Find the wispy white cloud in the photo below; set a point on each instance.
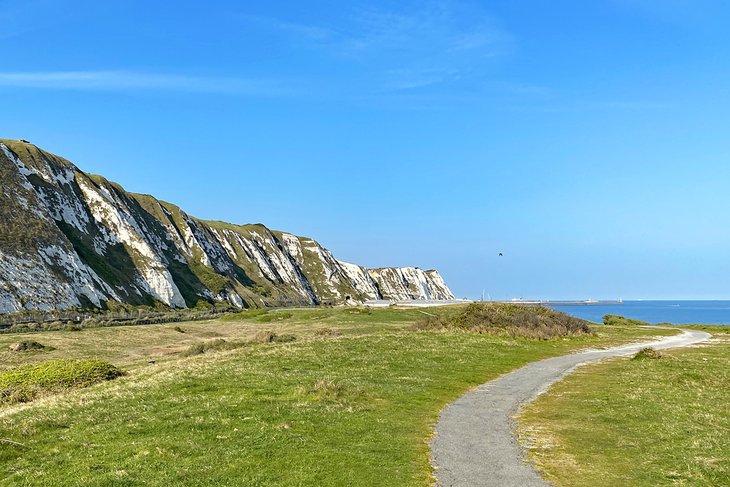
(131, 80)
(438, 27)
(418, 45)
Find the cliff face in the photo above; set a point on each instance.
(404, 283)
(70, 239)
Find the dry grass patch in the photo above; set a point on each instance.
(216, 345)
(324, 389)
(327, 333)
(130, 346)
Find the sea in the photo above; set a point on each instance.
(679, 312)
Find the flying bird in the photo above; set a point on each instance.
(501, 255)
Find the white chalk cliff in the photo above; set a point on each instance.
(73, 240)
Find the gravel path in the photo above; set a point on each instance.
(474, 443)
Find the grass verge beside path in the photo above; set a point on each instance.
(648, 422)
(352, 410)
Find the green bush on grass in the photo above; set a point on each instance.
(25, 383)
(648, 353)
(616, 320)
(514, 320)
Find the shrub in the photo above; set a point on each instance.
(268, 336)
(216, 345)
(195, 349)
(284, 338)
(24, 327)
(264, 336)
(616, 320)
(648, 353)
(514, 320)
(25, 383)
(26, 346)
(142, 315)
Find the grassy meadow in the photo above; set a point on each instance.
(652, 420)
(351, 401)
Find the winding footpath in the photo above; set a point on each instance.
(474, 443)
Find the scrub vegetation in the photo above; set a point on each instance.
(509, 319)
(616, 320)
(26, 383)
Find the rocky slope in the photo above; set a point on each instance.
(70, 239)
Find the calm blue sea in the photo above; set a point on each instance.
(681, 312)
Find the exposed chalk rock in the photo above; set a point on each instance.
(69, 239)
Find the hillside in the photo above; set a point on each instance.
(70, 239)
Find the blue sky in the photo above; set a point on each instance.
(587, 141)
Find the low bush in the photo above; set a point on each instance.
(25, 383)
(616, 320)
(284, 338)
(264, 336)
(115, 316)
(268, 336)
(648, 353)
(514, 320)
(216, 345)
(27, 346)
(219, 344)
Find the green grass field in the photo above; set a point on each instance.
(648, 422)
(353, 409)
